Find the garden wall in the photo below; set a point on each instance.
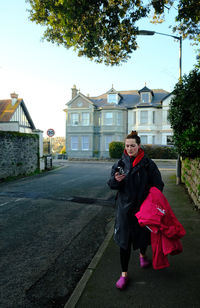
(190, 176)
(19, 154)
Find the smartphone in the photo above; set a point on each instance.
(120, 170)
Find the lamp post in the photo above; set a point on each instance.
(148, 32)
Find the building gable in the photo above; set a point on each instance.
(79, 102)
(166, 100)
(14, 110)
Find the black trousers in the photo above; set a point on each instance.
(125, 256)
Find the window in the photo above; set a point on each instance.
(108, 118)
(99, 119)
(169, 140)
(168, 122)
(143, 117)
(112, 98)
(108, 140)
(145, 97)
(74, 118)
(74, 143)
(153, 139)
(85, 118)
(154, 117)
(143, 139)
(134, 117)
(85, 143)
(119, 118)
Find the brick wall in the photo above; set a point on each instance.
(190, 176)
(19, 154)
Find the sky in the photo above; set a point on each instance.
(42, 73)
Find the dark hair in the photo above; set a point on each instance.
(134, 135)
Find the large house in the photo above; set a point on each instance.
(14, 116)
(93, 122)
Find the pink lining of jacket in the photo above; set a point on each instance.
(156, 213)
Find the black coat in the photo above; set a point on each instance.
(132, 191)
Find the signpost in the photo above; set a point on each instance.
(50, 133)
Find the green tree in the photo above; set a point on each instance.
(184, 115)
(105, 30)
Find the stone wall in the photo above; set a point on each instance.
(190, 176)
(19, 154)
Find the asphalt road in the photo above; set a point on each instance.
(51, 226)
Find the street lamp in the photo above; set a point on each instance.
(148, 32)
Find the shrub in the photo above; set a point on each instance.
(184, 115)
(116, 149)
(188, 143)
(160, 151)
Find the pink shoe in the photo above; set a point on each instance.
(144, 262)
(122, 282)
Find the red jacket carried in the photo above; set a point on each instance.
(156, 214)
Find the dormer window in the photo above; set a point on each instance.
(113, 98)
(145, 97)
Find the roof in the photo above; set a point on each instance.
(7, 110)
(131, 99)
(145, 89)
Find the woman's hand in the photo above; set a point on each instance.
(119, 177)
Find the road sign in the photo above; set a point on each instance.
(50, 132)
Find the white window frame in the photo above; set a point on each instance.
(145, 97)
(108, 120)
(108, 140)
(153, 117)
(168, 122)
(119, 118)
(74, 119)
(134, 117)
(74, 144)
(112, 98)
(100, 119)
(85, 118)
(85, 143)
(144, 119)
(142, 137)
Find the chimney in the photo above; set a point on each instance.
(74, 91)
(14, 98)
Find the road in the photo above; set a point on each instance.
(51, 225)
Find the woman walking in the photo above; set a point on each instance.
(132, 176)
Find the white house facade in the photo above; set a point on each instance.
(93, 122)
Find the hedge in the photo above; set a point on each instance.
(116, 149)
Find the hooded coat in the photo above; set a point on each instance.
(131, 192)
(156, 213)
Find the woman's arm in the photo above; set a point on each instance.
(155, 176)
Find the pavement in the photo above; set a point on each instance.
(175, 286)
